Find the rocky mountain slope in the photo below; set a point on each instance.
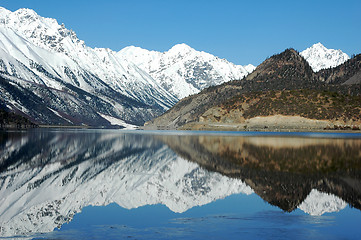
(285, 71)
(268, 107)
(184, 71)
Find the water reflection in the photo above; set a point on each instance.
(283, 171)
(46, 177)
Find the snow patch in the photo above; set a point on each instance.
(57, 114)
(118, 122)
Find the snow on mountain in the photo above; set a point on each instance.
(42, 52)
(319, 57)
(46, 68)
(76, 170)
(184, 71)
(318, 203)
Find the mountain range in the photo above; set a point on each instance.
(283, 92)
(184, 71)
(50, 76)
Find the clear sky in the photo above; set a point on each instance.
(241, 31)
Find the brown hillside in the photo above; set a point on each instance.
(282, 72)
(311, 104)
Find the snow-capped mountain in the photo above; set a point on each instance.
(184, 71)
(38, 53)
(319, 57)
(80, 169)
(43, 61)
(49, 75)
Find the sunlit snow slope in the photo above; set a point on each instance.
(184, 71)
(319, 57)
(74, 82)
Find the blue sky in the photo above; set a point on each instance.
(241, 31)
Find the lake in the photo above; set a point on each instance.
(113, 184)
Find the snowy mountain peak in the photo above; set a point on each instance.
(43, 32)
(132, 50)
(319, 45)
(319, 57)
(137, 55)
(4, 11)
(26, 12)
(183, 70)
(181, 48)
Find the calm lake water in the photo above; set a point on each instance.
(112, 184)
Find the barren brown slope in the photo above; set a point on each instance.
(332, 107)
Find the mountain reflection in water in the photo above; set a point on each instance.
(48, 176)
(282, 171)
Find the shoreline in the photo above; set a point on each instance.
(197, 127)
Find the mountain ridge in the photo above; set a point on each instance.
(58, 70)
(184, 71)
(49, 56)
(285, 71)
(39, 50)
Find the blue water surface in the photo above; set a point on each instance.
(56, 159)
(238, 216)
